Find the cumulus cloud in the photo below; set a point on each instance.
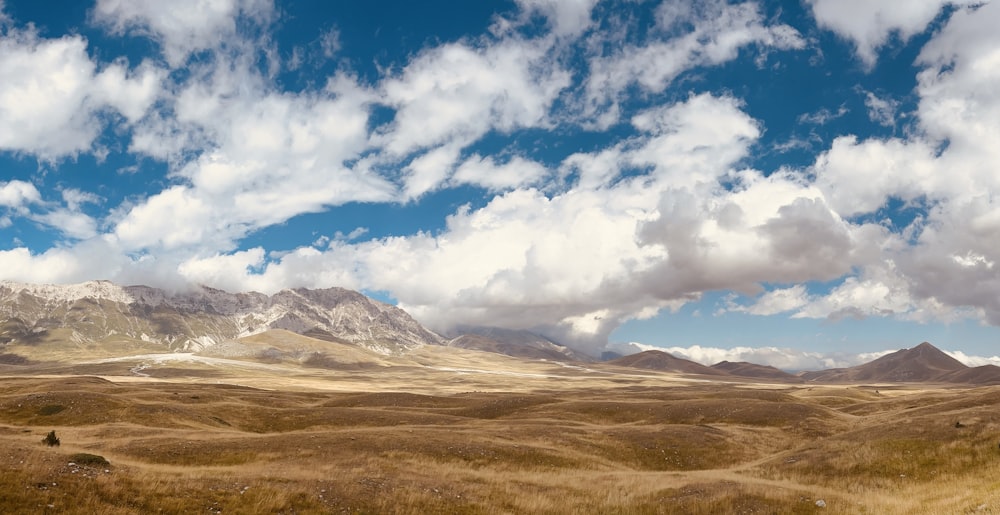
(973, 361)
(94, 258)
(869, 24)
(779, 300)
(566, 17)
(53, 96)
(942, 264)
(22, 199)
(17, 194)
(654, 240)
(15, 197)
(265, 157)
(482, 171)
(457, 92)
(569, 242)
(181, 27)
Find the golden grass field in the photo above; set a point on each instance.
(483, 434)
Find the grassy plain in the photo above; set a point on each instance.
(480, 434)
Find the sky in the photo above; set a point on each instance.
(804, 184)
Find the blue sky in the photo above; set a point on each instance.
(799, 183)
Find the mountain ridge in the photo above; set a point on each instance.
(82, 317)
(923, 363)
(201, 317)
(664, 362)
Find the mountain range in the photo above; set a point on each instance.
(102, 319)
(924, 363)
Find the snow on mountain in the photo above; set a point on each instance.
(69, 293)
(201, 318)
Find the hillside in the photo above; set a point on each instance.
(103, 317)
(98, 320)
(664, 362)
(522, 344)
(923, 363)
(744, 369)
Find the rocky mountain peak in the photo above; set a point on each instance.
(202, 317)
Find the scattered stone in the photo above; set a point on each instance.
(820, 503)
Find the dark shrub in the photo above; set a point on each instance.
(91, 460)
(51, 439)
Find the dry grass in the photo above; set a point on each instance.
(179, 447)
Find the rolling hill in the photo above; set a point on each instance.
(923, 363)
(745, 369)
(664, 362)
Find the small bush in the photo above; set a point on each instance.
(51, 439)
(86, 459)
(50, 409)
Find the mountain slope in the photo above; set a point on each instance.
(664, 362)
(99, 311)
(511, 342)
(982, 375)
(744, 369)
(923, 363)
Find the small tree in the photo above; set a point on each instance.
(51, 439)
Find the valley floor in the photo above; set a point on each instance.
(182, 434)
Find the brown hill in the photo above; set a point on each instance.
(923, 363)
(744, 369)
(664, 362)
(515, 349)
(984, 375)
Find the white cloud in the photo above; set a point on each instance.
(566, 17)
(23, 199)
(75, 198)
(329, 42)
(17, 194)
(779, 300)
(457, 93)
(870, 23)
(261, 157)
(227, 272)
(646, 222)
(881, 110)
(938, 267)
(130, 92)
(880, 294)
(823, 116)
(428, 171)
(486, 172)
(693, 34)
(181, 27)
(174, 217)
(779, 357)
(70, 223)
(651, 241)
(973, 361)
(52, 95)
(858, 177)
(92, 259)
